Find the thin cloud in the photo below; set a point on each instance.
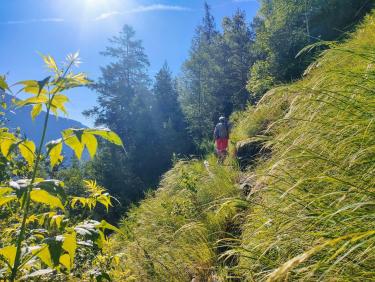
(107, 15)
(159, 7)
(30, 21)
(143, 9)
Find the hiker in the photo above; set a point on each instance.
(221, 135)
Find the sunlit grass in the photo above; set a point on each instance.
(312, 218)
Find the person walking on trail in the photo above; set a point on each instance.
(221, 135)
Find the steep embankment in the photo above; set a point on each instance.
(304, 210)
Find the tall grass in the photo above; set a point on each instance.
(312, 217)
(173, 234)
(315, 221)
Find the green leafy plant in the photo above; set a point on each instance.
(41, 238)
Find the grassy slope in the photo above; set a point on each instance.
(313, 215)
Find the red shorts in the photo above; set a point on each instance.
(221, 144)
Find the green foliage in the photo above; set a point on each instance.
(215, 74)
(151, 124)
(261, 79)
(284, 27)
(168, 118)
(40, 236)
(310, 212)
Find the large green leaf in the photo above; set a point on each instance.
(91, 143)
(106, 134)
(66, 261)
(32, 87)
(42, 99)
(105, 225)
(27, 150)
(70, 246)
(44, 255)
(78, 139)
(52, 186)
(5, 190)
(7, 139)
(55, 148)
(6, 199)
(43, 197)
(72, 141)
(8, 255)
(37, 109)
(59, 100)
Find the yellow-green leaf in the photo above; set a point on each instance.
(55, 154)
(57, 219)
(6, 141)
(3, 84)
(65, 261)
(5, 190)
(105, 225)
(43, 197)
(58, 103)
(36, 111)
(70, 245)
(8, 255)
(107, 135)
(76, 200)
(50, 63)
(6, 199)
(105, 200)
(27, 150)
(73, 142)
(44, 255)
(32, 87)
(91, 143)
(41, 99)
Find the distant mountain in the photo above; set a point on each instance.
(20, 117)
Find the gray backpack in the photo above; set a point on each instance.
(221, 130)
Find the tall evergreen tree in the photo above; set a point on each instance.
(238, 41)
(198, 83)
(170, 122)
(124, 104)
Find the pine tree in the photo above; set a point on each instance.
(170, 122)
(238, 40)
(124, 105)
(198, 83)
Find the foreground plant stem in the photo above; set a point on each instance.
(27, 197)
(17, 260)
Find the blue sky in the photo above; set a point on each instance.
(59, 27)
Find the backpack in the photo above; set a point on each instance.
(221, 130)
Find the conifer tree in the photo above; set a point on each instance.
(169, 120)
(198, 83)
(124, 103)
(237, 43)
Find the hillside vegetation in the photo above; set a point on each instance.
(304, 212)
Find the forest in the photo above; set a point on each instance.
(141, 195)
